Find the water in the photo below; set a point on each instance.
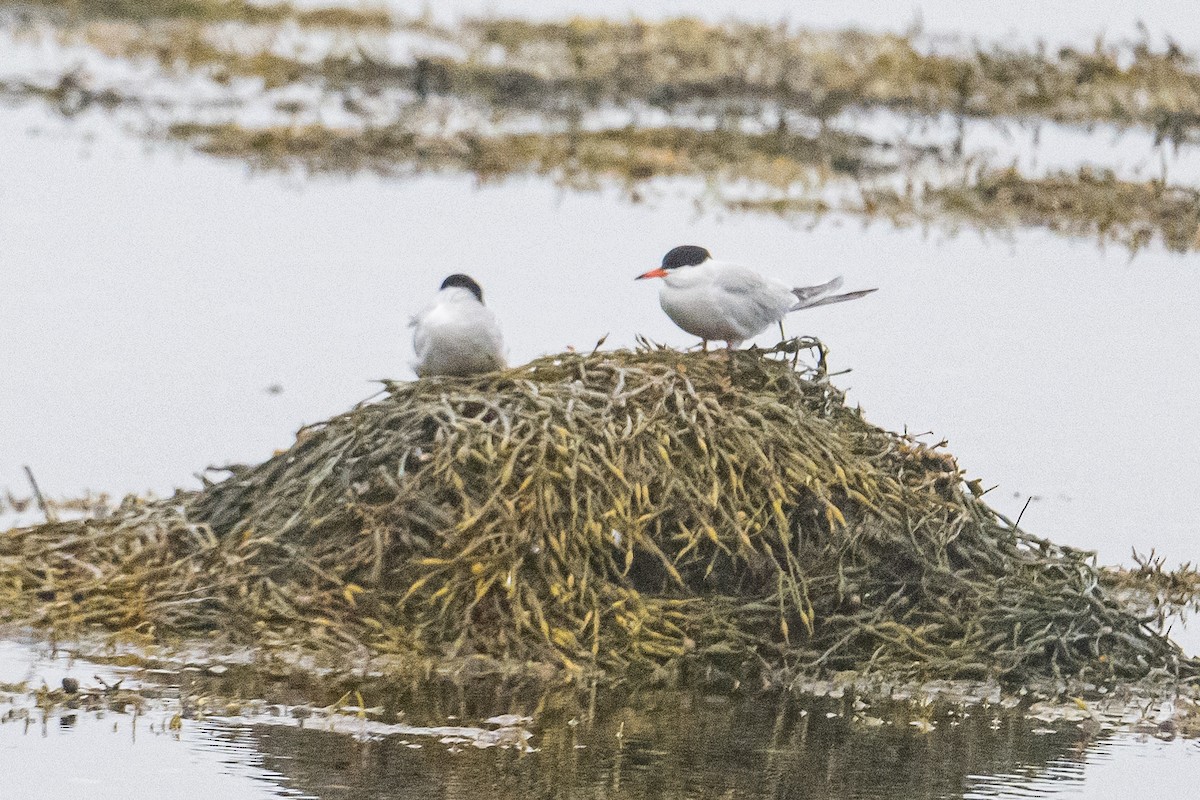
(152, 297)
(644, 745)
(161, 311)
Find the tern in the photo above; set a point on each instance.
(457, 334)
(724, 302)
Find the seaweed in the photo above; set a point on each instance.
(791, 173)
(1088, 202)
(214, 11)
(755, 111)
(578, 157)
(618, 513)
(683, 63)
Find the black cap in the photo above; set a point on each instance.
(686, 255)
(464, 282)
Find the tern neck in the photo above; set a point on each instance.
(457, 294)
(686, 276)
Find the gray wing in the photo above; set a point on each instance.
(485, 337)
(420, 332)
(497, 339)
(753, 301)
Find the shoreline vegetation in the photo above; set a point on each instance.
(648, 516)
(589, 103)
(641, 516)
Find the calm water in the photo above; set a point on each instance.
(642, 745)
(150, 297)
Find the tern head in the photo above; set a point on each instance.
(460, 281)
(686, 255)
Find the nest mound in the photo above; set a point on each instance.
(611, 510)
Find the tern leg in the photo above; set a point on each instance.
(730, 361)
(782, 335)
(704, 345)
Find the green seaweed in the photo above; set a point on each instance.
(620, 513)
(212, 11)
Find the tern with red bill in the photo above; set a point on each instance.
(719, 301)
(457, 334)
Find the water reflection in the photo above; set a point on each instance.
(116, 756)
(609, 744)
(683, 746)
(1116, 768)
(1056, 370)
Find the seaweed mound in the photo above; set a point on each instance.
(617, 510)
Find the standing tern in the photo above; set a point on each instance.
(719, 301)
(457, 334)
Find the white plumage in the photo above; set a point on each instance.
(457, 334)
(719, 301)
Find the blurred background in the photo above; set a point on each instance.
(216, 219)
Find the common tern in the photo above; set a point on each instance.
(719, 301)
(457, 334)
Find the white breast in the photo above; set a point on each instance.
(456, 335)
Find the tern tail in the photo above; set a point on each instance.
(813, 296)
(804, 294)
